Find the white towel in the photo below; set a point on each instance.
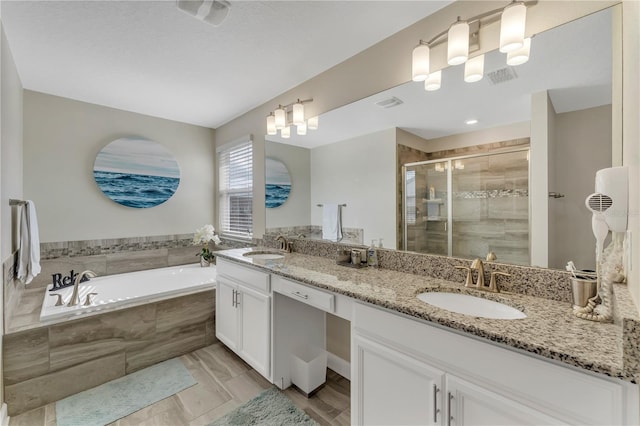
(331, 222)
(29, 252)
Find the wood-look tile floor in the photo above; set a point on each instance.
(224, 383)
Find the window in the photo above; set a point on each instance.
(235, 190)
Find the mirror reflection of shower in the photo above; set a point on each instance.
(469, 206)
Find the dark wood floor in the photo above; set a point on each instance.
(224, 383)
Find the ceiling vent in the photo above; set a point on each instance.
(502, 75)
(389, 103)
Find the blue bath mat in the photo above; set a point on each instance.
(269, 408)
(118, 398)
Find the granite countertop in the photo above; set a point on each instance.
(549, 330)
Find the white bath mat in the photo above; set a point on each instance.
(118, 398)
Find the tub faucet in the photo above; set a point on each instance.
(75, 299)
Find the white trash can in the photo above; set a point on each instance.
(308, 368)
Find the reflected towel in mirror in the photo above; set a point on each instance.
(331, 222)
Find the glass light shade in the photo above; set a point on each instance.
(285, 132)
(458, 43)
(301, 129)
(433, 81)
(312, 123)
(420, 63)
(474, 69)
(512, 24)
(280, 117)
(439, 167)
(298, 113)
(459, 165)
(520, 56)
(271, 125)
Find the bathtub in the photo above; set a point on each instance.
(129, 289)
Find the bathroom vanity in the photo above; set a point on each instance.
(413, 363)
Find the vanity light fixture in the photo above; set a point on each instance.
(271, 124)
(512, 22)
(458, 47)
(312, 123)
(420, 62)
(298, 113)
(462, 37)
(520, 56)
(459, 165)
(280, 117)
(285, 116)
(433, 81)
(474, 69)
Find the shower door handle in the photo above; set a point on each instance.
(445, 226)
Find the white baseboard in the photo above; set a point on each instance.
(4, 416)
(339, 365)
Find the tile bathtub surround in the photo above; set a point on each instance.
(114, 256)
(550, 330)
(46, 364)
(122, 245)
(539, 282)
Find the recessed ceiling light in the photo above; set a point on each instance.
(474, 121)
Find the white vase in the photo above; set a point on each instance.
(204, 263)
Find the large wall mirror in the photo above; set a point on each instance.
(360, 152)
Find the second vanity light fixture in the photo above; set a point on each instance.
(463, 33)
(289, 115)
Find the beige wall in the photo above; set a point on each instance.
(631, 131)
(11, 154)
(360, 172)
(479, 137)
(10, 162)
(582, 147)
(296, 210)
(61, 140)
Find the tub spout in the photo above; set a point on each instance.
(75, 299)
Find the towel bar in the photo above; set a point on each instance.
(320, 205)
(13, 202)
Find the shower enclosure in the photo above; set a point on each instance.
(468, 206)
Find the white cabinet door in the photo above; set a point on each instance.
(470, 404)
(392, 388)
(254, 338)
(226, 314)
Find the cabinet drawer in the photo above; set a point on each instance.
(304, 294)
(246, 276)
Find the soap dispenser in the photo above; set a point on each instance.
(372, 255)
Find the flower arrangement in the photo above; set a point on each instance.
(205, 236)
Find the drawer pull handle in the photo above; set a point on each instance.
(449, 409)
(435, 403)
(300, 295)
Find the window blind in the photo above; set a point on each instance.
(235, 165)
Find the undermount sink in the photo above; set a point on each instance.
(471, 305)
(263, 255)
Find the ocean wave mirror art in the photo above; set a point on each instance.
(278, 183)
(136, 172)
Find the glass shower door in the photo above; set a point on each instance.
(426, 212)
(490, 207)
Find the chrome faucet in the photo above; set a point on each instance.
(283, 243)
(75, 299)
